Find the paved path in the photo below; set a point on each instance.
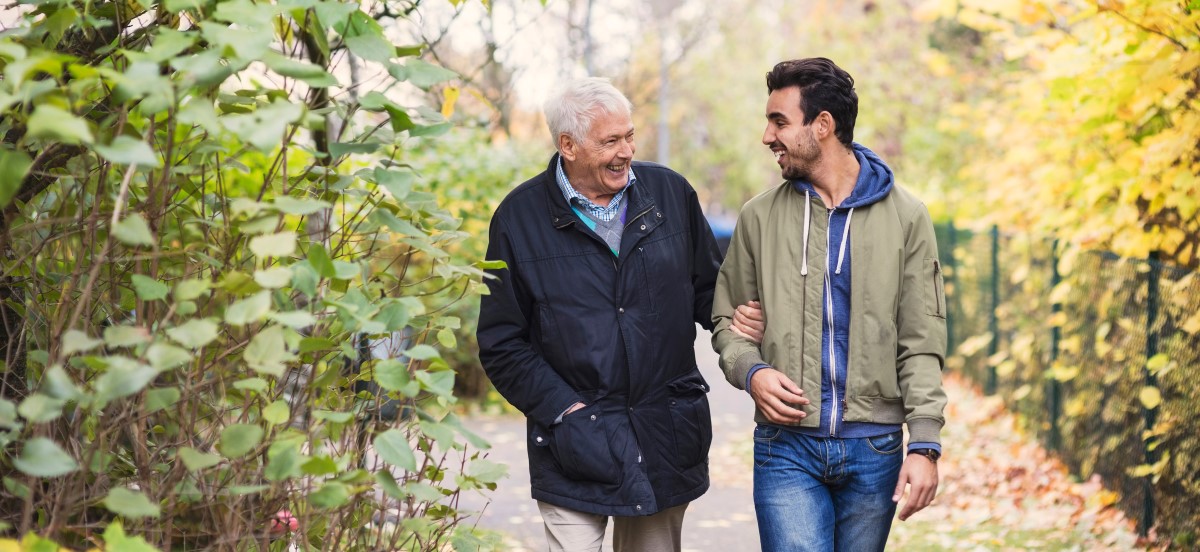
(722, 519)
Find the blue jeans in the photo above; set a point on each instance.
(815, 494)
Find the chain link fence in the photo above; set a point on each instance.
(1099, 356)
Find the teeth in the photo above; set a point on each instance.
(778, 155)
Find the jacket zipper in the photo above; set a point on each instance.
(937, 300)
(629, 408)
(833, 416)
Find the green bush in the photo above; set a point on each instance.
(202, 222)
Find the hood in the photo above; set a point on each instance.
(874, 182)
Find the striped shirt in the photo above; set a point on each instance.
(574, 198)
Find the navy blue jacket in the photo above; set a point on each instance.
(568, 322)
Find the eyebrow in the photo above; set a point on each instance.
(776, 115)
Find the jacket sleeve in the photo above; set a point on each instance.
(706, 261)
(517, 370)
(921, 332)
(737, 283)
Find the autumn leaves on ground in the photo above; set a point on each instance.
(1001, 491)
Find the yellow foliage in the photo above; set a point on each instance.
(1092, 130)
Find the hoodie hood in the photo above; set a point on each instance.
(875, 180)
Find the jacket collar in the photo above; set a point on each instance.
(642, 214)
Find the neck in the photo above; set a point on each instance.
(835, 177)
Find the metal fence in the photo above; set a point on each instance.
(1097, 354)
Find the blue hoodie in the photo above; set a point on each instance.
(874, 183)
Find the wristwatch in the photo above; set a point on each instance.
(929, 453)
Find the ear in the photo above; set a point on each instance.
(567, 147)
(824, 126)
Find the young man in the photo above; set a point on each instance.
(845, 266)
(590, 329)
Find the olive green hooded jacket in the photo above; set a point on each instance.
(897, 306)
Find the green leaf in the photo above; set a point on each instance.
(57, 383)
(330, 495)
(267, 352)
(282, 244)
(293, 319)
(422, 352)
(41, 457)
(438, 383)
(164, 356)
(392, 447)
(446, 338)
(252, 384)
(116, 541)
(486, 471)
(392, 375)
(274, 277)
(176, 6)
(8, 414)
(312, 75)
(299, 206)
(122, 379)
(125, 336)
(239, 439)
(133, 231)
(149, 289)
(265, 128)
(187, 290)
(385, 481)
(125, 150)
(194, 333)
(277, 412)
(195, 460)
(338, 149)
(371, 46)
(283, 461)
(158, 399)
(320, 465)
(422, 74)
(250, 309)
(320, 261)
(53, 123)
(75, 341)
(130, 504)
(38, 408)
(14, 165)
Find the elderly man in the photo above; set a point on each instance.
(590, 329)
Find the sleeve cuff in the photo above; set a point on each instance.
(750, 374)
(934, 446)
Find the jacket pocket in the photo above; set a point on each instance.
(935, 293)
(582, 446)
(690, 419)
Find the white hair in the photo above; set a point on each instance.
(573, 106)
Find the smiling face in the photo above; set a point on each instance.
(791, 140)
(598, 166)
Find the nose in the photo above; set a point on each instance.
(627, 149)
(768, 135)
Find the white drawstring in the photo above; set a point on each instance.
(845, 235)
(807, 225)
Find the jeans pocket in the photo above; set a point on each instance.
(886, 444)
(582, 445)
(764, 443)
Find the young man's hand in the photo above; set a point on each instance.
(920, 475)
(748, 321)
(775, 396)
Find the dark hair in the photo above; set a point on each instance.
(823, 87)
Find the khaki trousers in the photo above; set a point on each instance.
(571, 531)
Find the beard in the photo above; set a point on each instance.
(802, 158)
